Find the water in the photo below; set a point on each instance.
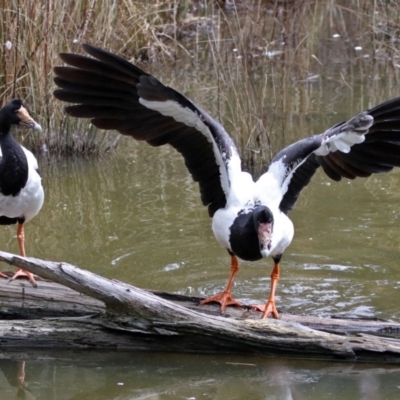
(96, 375)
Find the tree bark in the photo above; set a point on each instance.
(79, 309)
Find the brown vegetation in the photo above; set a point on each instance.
(247, 56)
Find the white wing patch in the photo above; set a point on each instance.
(190, 118)
(272, 185)
(341, 142)
(176, 111)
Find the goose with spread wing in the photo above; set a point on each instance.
(249, 218)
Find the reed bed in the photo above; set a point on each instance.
(257, 65)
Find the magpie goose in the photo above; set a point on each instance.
(21, 191)
(249, 218)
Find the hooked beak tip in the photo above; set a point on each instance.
(265, 253)
(33, 125)
(37, 127)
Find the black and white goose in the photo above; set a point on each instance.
(249, 218)
(21, 191)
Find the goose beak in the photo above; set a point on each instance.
(27, 120)
(264, 237)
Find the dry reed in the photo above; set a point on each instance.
(247, 56)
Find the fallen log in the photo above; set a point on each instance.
(79, 309)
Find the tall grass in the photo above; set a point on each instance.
(249, 55)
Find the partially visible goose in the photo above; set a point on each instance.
(21, 191)
(249, 218)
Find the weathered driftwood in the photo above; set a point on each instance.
(85, 310)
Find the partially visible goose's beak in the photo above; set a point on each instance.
(264, 237)
(27, 120)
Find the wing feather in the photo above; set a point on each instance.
(116, 94)
(367, 144)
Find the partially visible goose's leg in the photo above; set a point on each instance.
(225, 297)
(21, 242)
(269, 307)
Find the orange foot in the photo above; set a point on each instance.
(224, 298)
(266, 309)
(21, 273)
(3, 275)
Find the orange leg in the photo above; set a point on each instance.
(21, 272)
(225, 297)
(269, 307)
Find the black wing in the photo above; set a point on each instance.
(116, 94)
(368, 143)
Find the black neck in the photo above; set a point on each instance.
(244, 238)
(13, 165)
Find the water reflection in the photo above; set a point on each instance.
(94, 375)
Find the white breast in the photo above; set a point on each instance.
(30, 200)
